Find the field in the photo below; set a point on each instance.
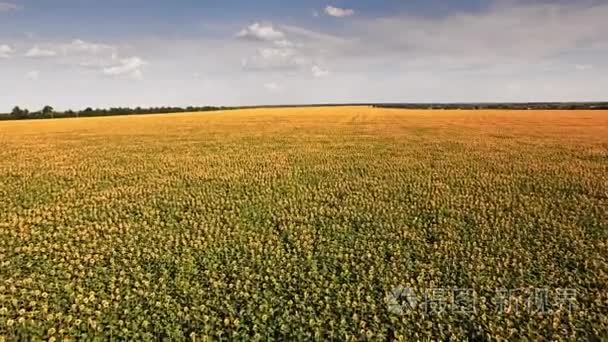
(311, 223)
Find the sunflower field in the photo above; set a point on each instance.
(341, 223)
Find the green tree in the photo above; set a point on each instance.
(19, 113)
(47, 111)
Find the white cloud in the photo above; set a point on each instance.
(6, 51)
(275, 59)
(98, 62)
(103, 58)
(499, 34)
(338, 12)
(90, 55)
(37, 52)
(319, 72)
(262, 32)
(78, 46)
(520, 43)
(272, 86)
(8, 6)
(297, 50)
(312, 36)
(271, 53)
(129, 66)
(33, 75)
(525, 51)
(583, 67)
(285, 43)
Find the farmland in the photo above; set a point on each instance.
(306, 223)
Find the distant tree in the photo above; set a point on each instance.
(20, 113)
(16, 111)
(87, 112)
(47, 111)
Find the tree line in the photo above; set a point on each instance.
(48, 112)
(504, 105)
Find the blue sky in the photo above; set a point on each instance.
(78, 53)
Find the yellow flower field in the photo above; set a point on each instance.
(340, 223)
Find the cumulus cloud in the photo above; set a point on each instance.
(319, 72)
(285, 43)
(497, 34)
(104, 58)
(312, 36)
(128, 66)
(6, 51)
(37, 52)
(498, 44)
(275, 59)
(81, 46)
(262, 32)
(33, 75)
(75, 49)
(515, 50)
(8, 6)
(96, 62)
(91, 55)
(338, 12)
(298, 50)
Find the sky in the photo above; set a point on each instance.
(72, 54)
